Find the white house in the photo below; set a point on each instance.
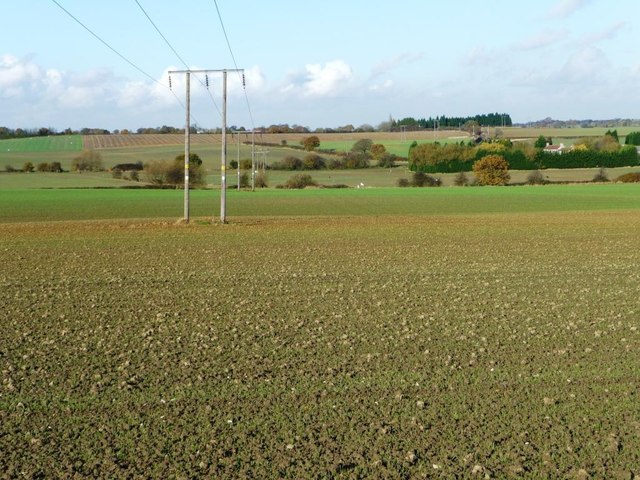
(555, 148)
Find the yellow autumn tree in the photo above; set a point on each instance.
(492, 170)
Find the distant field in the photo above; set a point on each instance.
(517, 132)
(58, 143)
(143, 148)
(371, 177)
(86, 204)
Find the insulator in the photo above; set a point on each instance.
(169, 82)
(206, 80)
(244, 82)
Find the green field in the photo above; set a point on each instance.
(88, 204)
(58, 143)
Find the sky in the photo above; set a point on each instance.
(315, 64)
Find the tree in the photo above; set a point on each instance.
(27, 167)
(377, 151)
(492, 170)
(313, 162)
(472, 127)
(363, 148)
(166, 172)
(197, 175)
(87, 161)
(608, 143)
(632, 139)
(542, 141)
(388, 160)
(310, 143)
(460, 180)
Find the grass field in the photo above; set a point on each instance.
(89, 204)
(500, 345)
(60, 143)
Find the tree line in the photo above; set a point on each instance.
(483, 120)
(604, 152)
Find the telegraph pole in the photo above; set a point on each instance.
(223, 158)
(187, 149)
(253, 161)
(238, 160)
(187, 141)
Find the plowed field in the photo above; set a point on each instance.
(501, 345)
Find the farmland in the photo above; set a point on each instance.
(325, 333)
(349, 346)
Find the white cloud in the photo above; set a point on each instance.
(320, 80)
(608, 33)
(566, 8)
(542, 39)
(16, 73)
(585, 66)
(478, 56)
(379, 87)
(389, 64)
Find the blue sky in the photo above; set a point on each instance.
(320, 64)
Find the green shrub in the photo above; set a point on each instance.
(536, 178)
(578, 158)
(43, 167)
(300, 180)
(287, 163)
(233, 164)
(313, 162)
(403, 182)
(245, 164)
(335, 164)
(461, 180)
(631, 177)
(356, 160)
(244, 180)
(601, 176)
(421, 179)
(88, 161)
(116, 173)
(632, 138)
(387, 160)
(261, 180)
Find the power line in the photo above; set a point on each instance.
(106, 44)
(160, 33)
(176, 53)
(242, 78)
(95, 35)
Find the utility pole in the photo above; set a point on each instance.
(187, 139)
(253, 161)
(187, 149)
(223, 163)
(223, 158)
(238, 159)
